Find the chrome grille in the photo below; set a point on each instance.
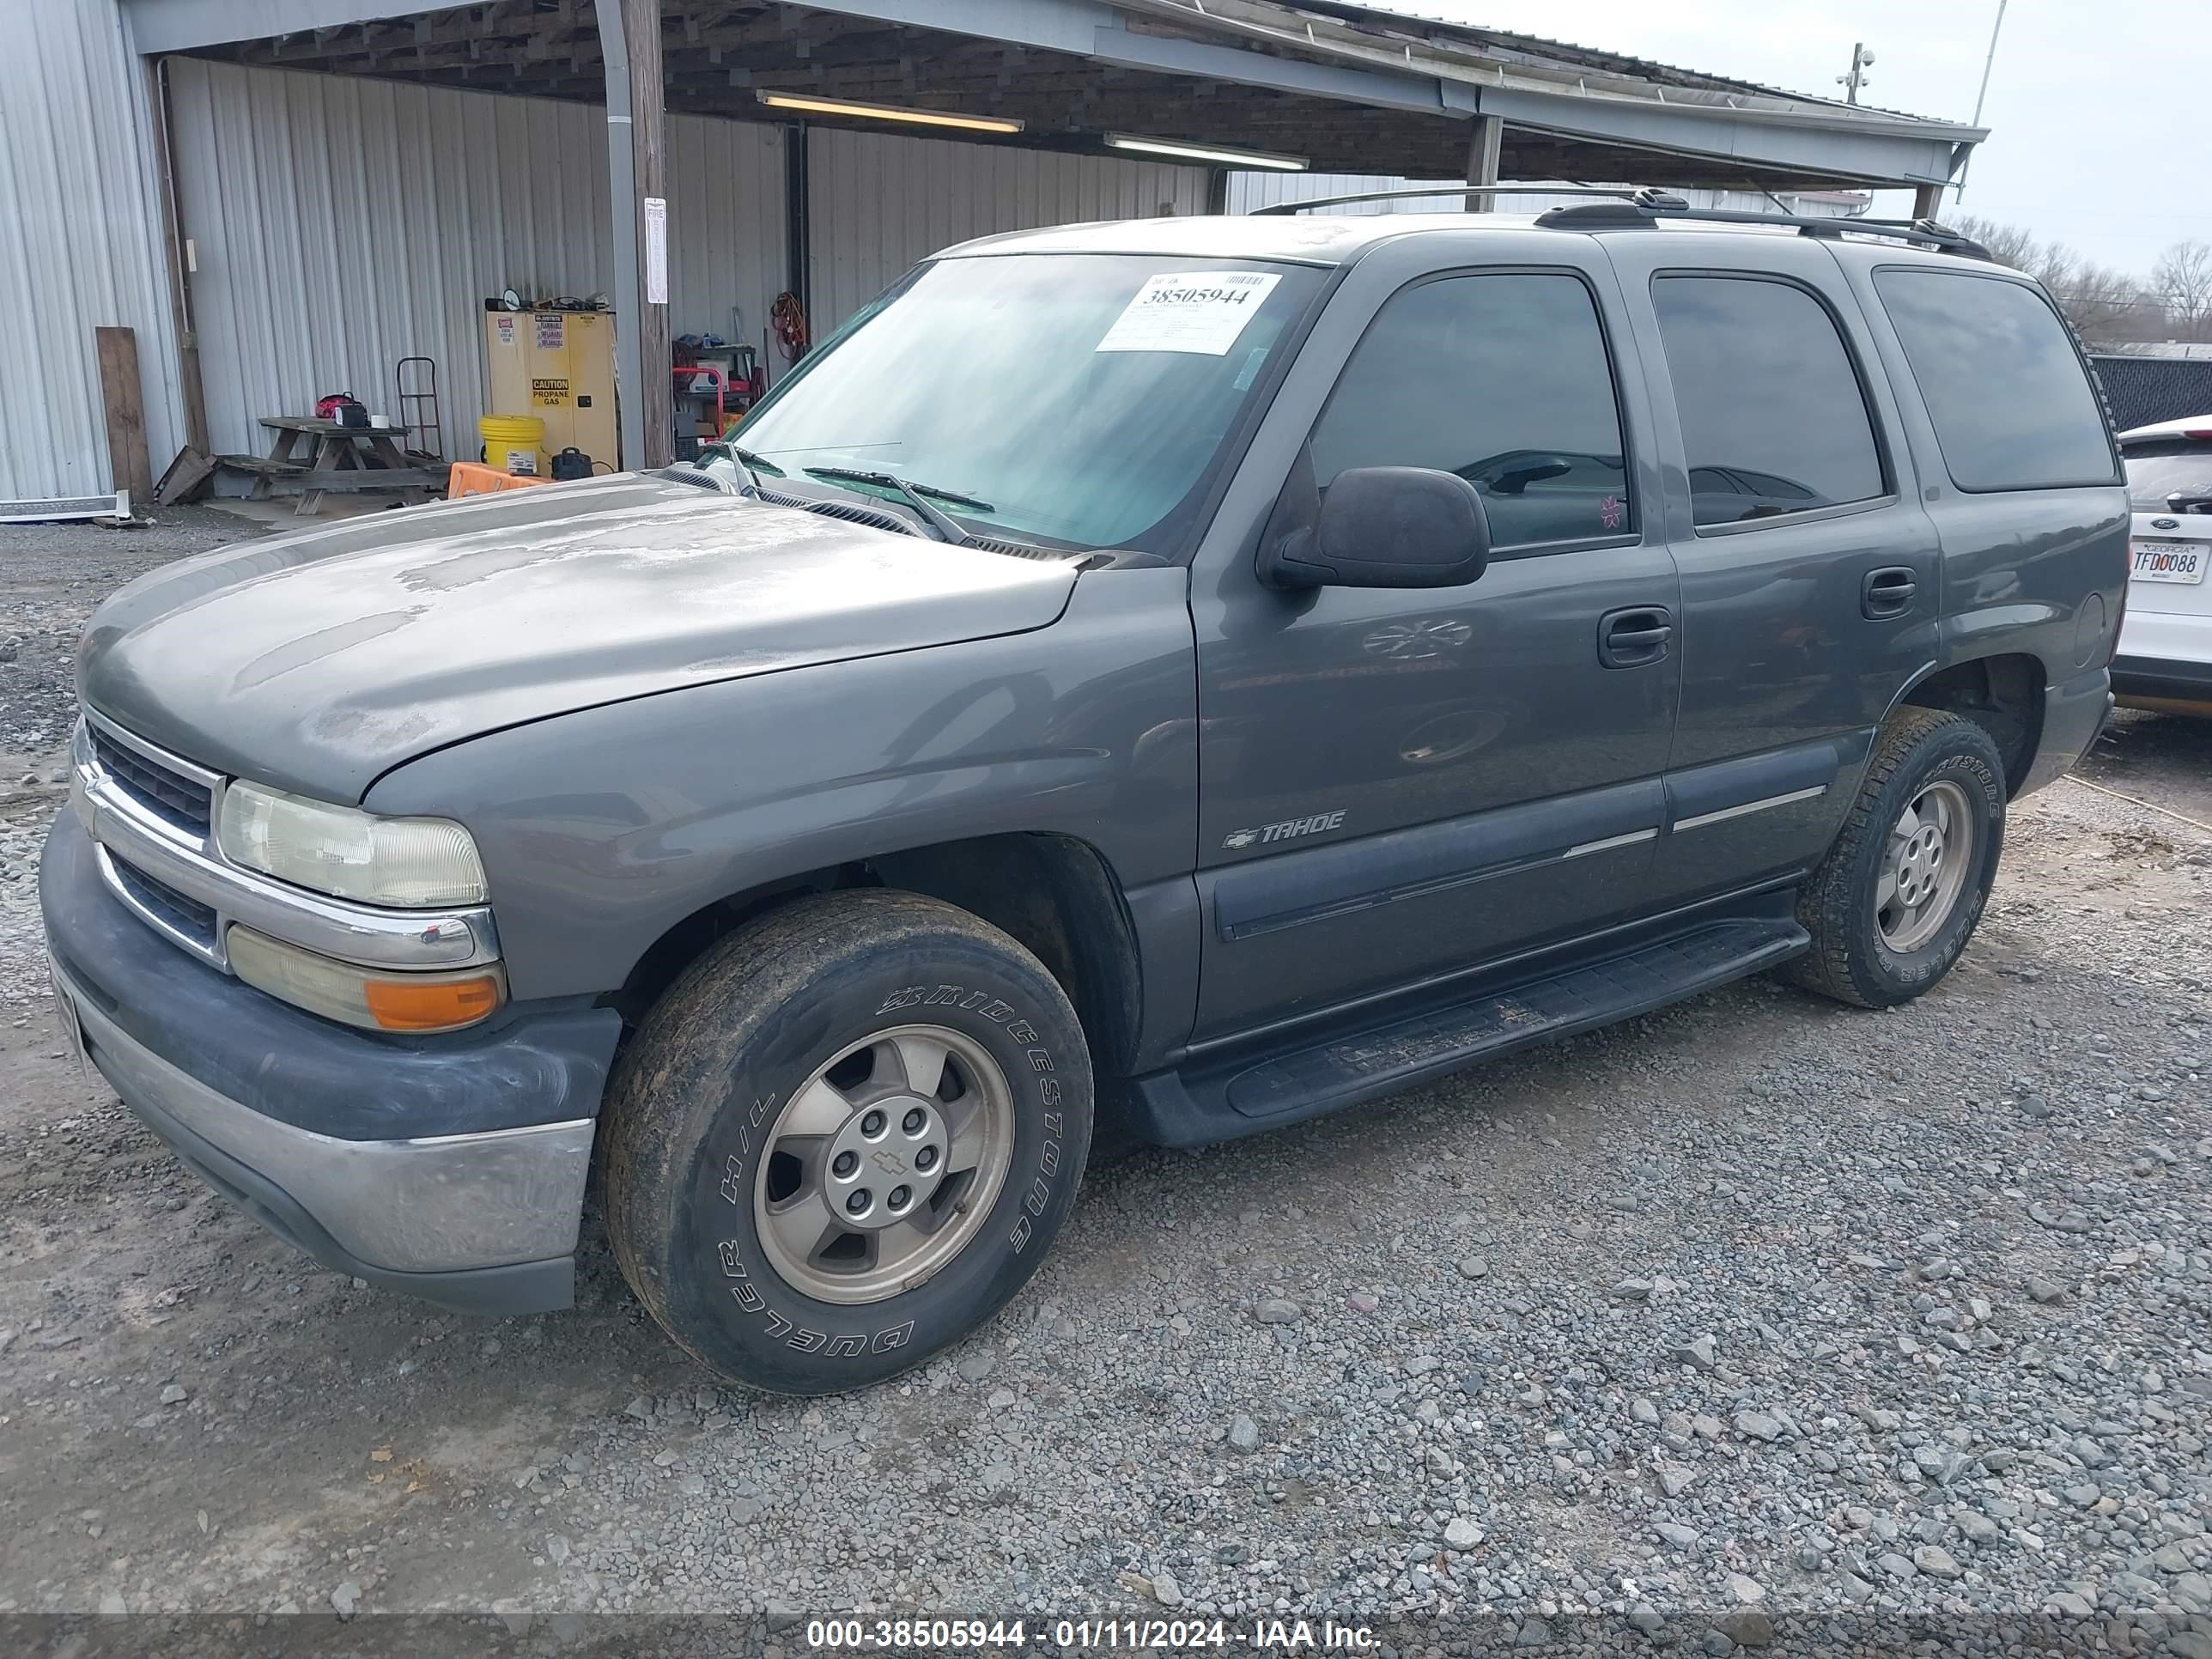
(150, 812)
(184, 915)
(171, 796)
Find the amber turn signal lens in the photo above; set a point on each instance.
(438, 1005)
(373, 999)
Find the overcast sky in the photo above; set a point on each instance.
(2096, 108)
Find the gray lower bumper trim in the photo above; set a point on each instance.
(444, 1205)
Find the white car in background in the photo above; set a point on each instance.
(2165, 659)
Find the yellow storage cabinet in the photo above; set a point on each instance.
(558, 366)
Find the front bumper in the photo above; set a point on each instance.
(452, 1169)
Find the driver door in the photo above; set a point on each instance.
(1397, 785)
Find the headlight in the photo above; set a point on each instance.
(363, 996)
(349, 853)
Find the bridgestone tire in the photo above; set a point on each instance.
(1850, 960)
(699, 1089)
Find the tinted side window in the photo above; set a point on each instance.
(2012, 405)
(1501, 379)
(1772, 416)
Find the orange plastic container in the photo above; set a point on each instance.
(469, 478)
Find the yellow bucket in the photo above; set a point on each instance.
(513, 443)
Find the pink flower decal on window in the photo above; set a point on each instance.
(1611, 511)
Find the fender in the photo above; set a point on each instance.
(602, 829)
(2005, 691)
(1921, 676)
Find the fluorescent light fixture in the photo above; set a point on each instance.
(1219, 157)
(922, 118)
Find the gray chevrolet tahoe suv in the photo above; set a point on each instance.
(1187, 676)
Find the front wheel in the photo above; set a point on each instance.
(1900, 892)
(844, 1138)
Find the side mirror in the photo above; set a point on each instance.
(1384, 526)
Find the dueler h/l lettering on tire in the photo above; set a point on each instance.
(1902, 889)
(844, 1138)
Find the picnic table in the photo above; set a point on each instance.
(314, 455)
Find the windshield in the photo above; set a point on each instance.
(2183, 468)
(1083, 399)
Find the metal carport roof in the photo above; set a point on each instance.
(1338, 86)
(1348, 88)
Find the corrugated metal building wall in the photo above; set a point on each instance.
(81, 248)
(338, 224)
(877, 203)
(1248, 191)
(341, 224)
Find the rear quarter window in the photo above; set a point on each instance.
(2008, 394)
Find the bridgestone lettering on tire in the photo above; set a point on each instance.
(1900, 893)
(844, 1138)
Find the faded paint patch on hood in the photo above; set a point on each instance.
(317, 662)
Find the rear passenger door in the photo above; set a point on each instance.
(2021, 480)
(1810, 571)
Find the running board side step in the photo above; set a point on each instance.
(1247, 1094)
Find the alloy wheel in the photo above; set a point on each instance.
(1925, 867)
(882, 1166)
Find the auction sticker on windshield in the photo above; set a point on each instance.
(1201, 312)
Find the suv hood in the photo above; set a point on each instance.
(318, 662)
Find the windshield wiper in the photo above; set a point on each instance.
(941, 525)
(866, 476)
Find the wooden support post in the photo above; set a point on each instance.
(1485, 143)
(1926, 199)
(124, 400)
(648, 134)
(190, 383)
(637, 152)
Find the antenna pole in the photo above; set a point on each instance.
(1988, 63)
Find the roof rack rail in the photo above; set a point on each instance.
(1595, 215)
(1646, 204)
(1644, 197)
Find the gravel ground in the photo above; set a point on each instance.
(1752, 1312)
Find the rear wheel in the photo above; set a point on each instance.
(1900, 892)
(844, 1138)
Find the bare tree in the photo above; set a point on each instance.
(2182, 279)
(2107, 305)
(2008, 245)
(2104, 305)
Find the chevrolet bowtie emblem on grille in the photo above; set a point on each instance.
(890, 1162)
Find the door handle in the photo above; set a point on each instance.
(1634, 637)
(1887, 592)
